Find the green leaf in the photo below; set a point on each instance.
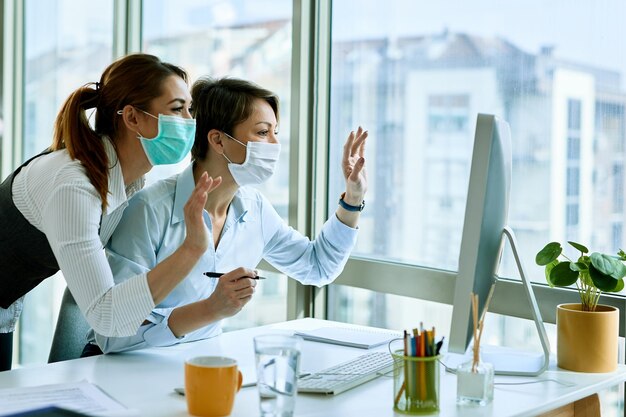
(622, 255)
(602, 281)
(578, 246)
(619, 271)
(549, 268)
(549, 253)
(619, 286)
(578, 266)
(562, 275)
(603, 263)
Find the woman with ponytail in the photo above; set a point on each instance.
(61, 207)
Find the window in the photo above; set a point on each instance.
(571, 215)
(77, 53)
(447, 114)
(618, 236)
(618, 188)
(246, 39)
(573, 115)
(573, 148)
(573, 181)
(572, 172)
(429, 77)
(610, 122)
(68, 43)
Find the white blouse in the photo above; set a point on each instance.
(55, 195)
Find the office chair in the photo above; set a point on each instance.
(70, 335)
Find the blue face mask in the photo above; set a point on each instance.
(172, 143)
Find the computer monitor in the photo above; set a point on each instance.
(485, 218)
(484, 228)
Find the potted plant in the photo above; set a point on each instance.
(587, 332)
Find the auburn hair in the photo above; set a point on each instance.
(222, 104)
(135, 79)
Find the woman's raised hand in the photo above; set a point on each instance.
(353, 166)
(197, 239)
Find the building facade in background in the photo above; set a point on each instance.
(421, 96)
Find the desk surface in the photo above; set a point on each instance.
(159, 370)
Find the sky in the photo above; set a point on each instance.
(586, 31)
(591, 32)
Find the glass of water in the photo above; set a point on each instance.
(277, 368)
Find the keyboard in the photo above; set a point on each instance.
(347, 375)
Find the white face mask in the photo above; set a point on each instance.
(259, 165)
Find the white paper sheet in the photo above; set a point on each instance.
(80, 396)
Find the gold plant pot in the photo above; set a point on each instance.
(587, 340)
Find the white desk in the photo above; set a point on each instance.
(144, 380)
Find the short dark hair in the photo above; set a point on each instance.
(222, 104)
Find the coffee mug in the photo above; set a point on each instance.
(211, 383)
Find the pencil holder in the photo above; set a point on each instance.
(415, 384)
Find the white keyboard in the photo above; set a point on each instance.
(347, 375)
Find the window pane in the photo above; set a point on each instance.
(416, 74)
(67, 43)
(573, 181)
(77, 53)
(573, 114)
(248, 39)
(618, 187)
(573, 148)
(617, 236)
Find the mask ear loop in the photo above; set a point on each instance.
(229, 161)
(139, 135)
(224, 153)
(236, 140)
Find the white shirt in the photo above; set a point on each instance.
(153, 227)
(55, 195)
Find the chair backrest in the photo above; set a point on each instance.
(70, 335)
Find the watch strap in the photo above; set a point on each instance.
(350, 207)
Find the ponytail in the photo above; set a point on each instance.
(72, 132)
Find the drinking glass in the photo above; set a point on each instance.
(277, 368)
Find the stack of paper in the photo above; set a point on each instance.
(81, 396)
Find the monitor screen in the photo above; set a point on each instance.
(485, 219)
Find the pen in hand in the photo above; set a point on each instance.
(219, 274)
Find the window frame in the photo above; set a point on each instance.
(12, 84)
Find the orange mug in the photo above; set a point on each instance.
(211, 383)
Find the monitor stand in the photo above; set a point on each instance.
(506, 360)
(541, 330)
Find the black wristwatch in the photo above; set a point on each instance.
(349, 207)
